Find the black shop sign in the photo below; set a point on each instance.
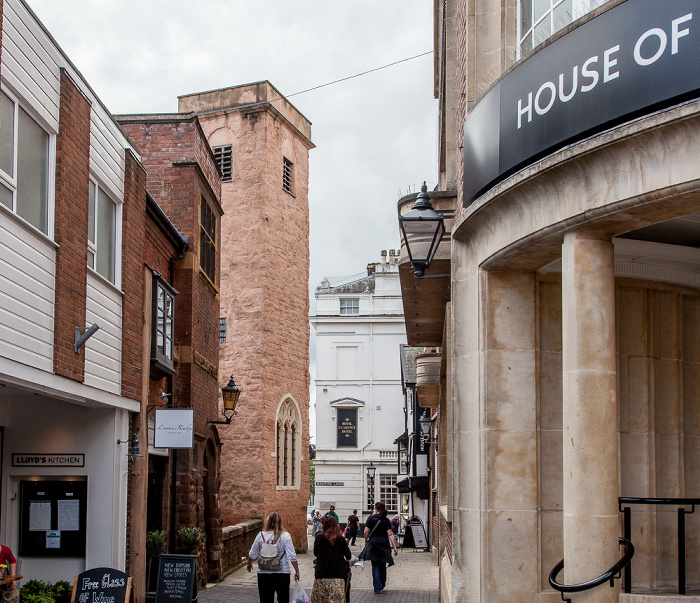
(639, 57)
(176, 579)
(102, 585)
(347, 427)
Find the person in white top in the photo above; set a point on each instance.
(274, 581)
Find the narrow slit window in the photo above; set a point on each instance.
(287, 176)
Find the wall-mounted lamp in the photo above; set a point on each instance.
(230, 394)
(134, 449)
(422, 229)
(82, 334)
(425, 425)
(160, 402)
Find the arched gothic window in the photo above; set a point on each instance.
(287, 445)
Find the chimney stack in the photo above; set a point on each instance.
(392, 257)
(383, 257)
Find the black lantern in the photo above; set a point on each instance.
(422, 229)
(371, 470)
(230, 394)
(132, 440)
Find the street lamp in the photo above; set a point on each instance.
(230, 394)
(422, 229)
(371, 470)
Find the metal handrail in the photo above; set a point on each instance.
(611, 574)
(681, 503)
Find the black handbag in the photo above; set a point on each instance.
(363, 553)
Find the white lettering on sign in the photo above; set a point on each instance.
(647, 50)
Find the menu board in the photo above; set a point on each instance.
(101, 585)
(176, 579)
(418, 531)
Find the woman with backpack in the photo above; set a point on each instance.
(274, 550)
(332, 555)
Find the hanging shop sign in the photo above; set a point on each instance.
(174, 428)
(637, 58)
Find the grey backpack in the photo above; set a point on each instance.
(269, 559)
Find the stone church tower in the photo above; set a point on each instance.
(262, 145)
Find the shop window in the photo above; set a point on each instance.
(24, 164)
(388, 492)
(224, 158)
(287, 176)
(349, 306)
(288, 445)
(207, 240)
(102, 233)
(163, 333)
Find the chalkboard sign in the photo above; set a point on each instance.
(101, 585)
(176, 579)
(418, 532)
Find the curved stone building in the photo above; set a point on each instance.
(570, 325)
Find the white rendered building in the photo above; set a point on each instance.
(359, 401)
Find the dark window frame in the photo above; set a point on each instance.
(160, 360)
(207, 240)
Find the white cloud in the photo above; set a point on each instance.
(375, 134)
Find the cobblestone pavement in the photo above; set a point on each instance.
(413, 579)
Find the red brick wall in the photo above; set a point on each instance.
(71, 227)
(133, 245)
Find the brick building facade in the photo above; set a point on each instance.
(262, 143)
(184, 181)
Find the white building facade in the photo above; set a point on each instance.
(359, 401)
(63, 411)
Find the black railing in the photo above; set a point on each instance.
(627, 514)
(611, 574)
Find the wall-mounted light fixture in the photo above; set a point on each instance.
(425, 424)
(422, 229)
(82, 334)
(134, 451)
(230, 394)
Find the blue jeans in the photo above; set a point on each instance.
(378, 576)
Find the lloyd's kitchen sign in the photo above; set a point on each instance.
(173, 428)
(632, 60)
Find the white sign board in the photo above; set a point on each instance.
(418, 531)
(174, 428)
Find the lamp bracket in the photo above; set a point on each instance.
(82, 334)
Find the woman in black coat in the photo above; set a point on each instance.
(332, 555)
(379, 540)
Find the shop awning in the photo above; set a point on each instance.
(415, 483)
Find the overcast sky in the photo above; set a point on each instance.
(375, 135)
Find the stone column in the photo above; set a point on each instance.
(590, 415)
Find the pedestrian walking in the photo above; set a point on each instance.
(318, 527)
(379, 540)
(352, 527)
(274, 550)
(332, 513)
(332, 555)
